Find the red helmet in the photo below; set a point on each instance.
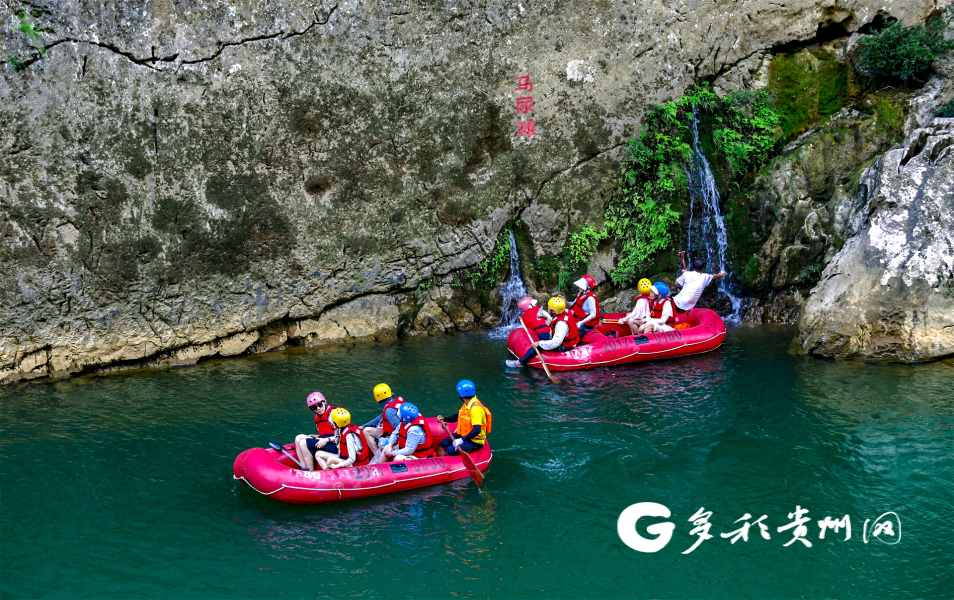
(587, 281)
(590, 281)
(526, 304)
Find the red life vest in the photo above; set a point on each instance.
(323, 422)
(364, 456)
(581, 314)
(573, 335)
(426, 448)
(656, 310)
(394, 403)
(534, 322)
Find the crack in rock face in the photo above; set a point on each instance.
(189, 181)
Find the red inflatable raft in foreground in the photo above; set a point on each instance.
(273, 474)
(706, 332)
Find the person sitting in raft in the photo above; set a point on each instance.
(307, 445)
(473, 423)
(640, 312)
(382, 426)
(413, 439)
(534, 317)
(353, 450)
(586, 306)
(564, 334)
(662, 314)
(693, 283)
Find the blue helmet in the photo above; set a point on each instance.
(662, 288)
(408, 412)
(466, 388)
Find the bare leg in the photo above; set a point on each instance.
(403, 457)
(301, 449)
(322, 458)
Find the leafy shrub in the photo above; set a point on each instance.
(486, 273)
(905, 53)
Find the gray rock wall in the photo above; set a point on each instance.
(177, 176)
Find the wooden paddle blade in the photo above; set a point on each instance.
(472, 469)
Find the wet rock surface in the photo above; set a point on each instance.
(888, 294)
(197, 179)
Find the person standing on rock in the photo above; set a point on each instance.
(693, 283)
(307, 445)
(586, 306)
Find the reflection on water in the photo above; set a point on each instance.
(746, 428)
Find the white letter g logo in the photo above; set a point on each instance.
(626, 527)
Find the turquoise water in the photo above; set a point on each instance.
(120, 486)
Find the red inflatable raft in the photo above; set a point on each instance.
(706, 332)
(273, 474)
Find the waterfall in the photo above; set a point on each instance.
(710, 226)
(511, 292)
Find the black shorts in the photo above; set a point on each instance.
(329, 447)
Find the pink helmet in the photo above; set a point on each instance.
(314, 398)
(526, 304)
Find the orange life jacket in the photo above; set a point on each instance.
(364, 455)
(464, 426)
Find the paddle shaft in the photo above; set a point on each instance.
(469, 463)
(539, 354)
(278, 446)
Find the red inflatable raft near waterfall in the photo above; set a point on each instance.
(273, 474)
(706, 332)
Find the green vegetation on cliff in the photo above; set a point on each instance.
(653, 188)
(906, 53)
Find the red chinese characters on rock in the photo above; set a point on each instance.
(526, 127)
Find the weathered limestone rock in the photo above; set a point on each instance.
(889, 292)
(367, 318)
(177, 174)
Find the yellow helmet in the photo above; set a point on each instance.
(381, 391)
(341, 417)
(645, 286)
(557, 304)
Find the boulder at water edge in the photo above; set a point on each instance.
(889, 292)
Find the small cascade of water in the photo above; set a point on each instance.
(711, 225)
(511, 292)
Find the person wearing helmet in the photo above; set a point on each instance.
(307, 445)
(473, 423)
(640, 312)
(693, 283)
(535, 318)
(564, 334)
(382, 426)
(586, 306)
(413, 439)
(662, 314)
(353, 449)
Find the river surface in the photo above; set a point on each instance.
(121, 486)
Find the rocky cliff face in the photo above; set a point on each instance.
(889, 292)
(186, 179)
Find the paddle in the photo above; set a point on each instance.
(469, 463)
(277, 446)
(539, 354)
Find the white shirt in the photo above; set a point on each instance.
(559, 334)
(641, 311)
(692, 283)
